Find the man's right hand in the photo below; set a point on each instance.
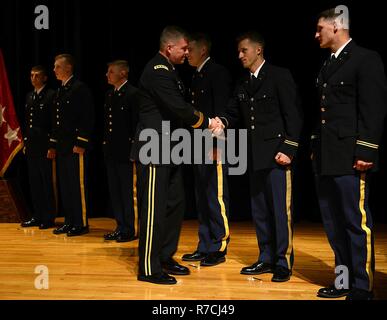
(51, 153)
(216, 126)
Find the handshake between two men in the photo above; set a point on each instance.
(217, 128)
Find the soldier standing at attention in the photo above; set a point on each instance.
(39, 108)
(353, 101)
(73, 123)
(121, 116)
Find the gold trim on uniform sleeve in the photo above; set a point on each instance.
(367, 144)
(292, 143)
(83, 139)
(200, 121)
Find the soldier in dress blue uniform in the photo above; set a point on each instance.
(73, 123)
(161, 185)
(210, 90)
(267, 99)
(352, 101)
(121, 115)
(38, 111)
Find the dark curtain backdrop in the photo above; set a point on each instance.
(98, 32)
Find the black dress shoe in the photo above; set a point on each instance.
(281, 274)
(359, 294)
(213, 258)
(257, 268)
(30, 223)
(124, 237)
(47, 225)
(196, 256)
(77, 231)
(158, 278)
(332, 292)
(172, 267)
(111, 235)
(63, 229)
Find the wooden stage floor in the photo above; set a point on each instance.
(87, 267)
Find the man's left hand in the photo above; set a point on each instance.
(282, 159)
(361, 165)
(78, 150)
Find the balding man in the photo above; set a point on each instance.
(70, 141)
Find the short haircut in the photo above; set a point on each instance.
(41, 69)
(202, 39)
(331, 15)
(253, 36)
(68, 58)
(171, 33)
(122, 64)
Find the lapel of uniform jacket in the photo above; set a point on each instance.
(340, 61)
(252, 89)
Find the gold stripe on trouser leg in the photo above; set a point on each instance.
(366, 229)
(54, 184)
(289, 215)
(149, 229)
(222, 206)
(82, 185)
(135, 205)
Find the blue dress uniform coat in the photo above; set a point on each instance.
(270, 111)
(73, 121)
(37, 128)
(161, 186)
(209, 92)
(352, 108)
(120, 121)
(353, 101)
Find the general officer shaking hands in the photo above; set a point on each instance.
(162, 191)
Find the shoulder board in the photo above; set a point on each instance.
(160, 66)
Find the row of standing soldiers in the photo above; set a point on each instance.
(352, 91)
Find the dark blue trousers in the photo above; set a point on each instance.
(72, 176)
(123, 195)
(347, 221)
(40, 174)
(271, 206)
(212, 203)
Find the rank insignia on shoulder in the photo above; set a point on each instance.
(160, 66)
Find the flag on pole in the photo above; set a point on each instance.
(11, 141)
